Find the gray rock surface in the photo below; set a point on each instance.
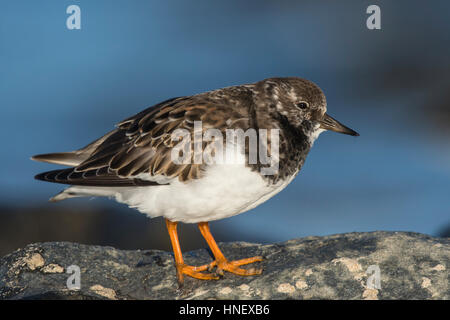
(412, 266)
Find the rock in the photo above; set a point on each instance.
(410, 266)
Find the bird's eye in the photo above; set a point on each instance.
(302, 105)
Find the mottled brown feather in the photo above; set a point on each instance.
(142, 143)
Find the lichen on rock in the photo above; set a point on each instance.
(411, 266)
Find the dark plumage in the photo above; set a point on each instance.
(142, 143)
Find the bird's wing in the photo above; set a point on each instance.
(142, 144)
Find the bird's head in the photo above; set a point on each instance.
(302, 103)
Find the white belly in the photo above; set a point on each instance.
(224, 191)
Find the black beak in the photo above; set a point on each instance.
(328, 123)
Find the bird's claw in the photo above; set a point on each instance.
(233, 266)
(194, 272)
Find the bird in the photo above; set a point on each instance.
(149, 162)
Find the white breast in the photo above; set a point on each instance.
(224, 191)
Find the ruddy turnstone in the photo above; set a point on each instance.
(156, 161)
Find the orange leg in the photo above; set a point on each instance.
(221, 262)
(183, 268)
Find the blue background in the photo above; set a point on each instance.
(60, 89)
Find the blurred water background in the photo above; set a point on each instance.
(60, 89)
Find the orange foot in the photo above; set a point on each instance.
(233, 266)
(194, 272)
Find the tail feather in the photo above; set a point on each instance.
(70, 159)
(92, 178)
(65, 194)
(83, 191)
